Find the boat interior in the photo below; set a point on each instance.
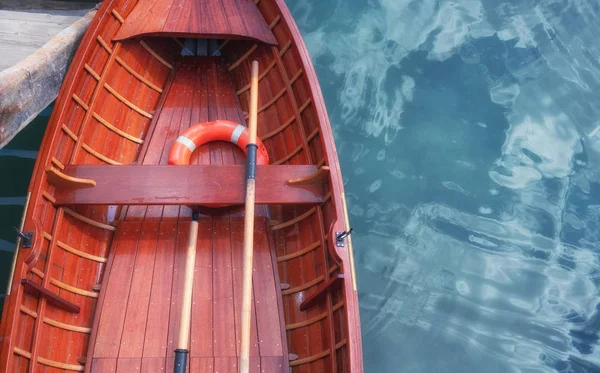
(102, 284)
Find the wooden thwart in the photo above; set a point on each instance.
(196, 185)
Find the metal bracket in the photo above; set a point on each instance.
(341, 236)
(26, 238)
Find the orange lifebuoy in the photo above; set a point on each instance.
(219, 130)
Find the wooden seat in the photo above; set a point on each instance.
(207, 19)
(186, 185)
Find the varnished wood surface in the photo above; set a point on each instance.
(196, 185)
(155, 94)
(216, 19)
(145, 280)
(35, 289)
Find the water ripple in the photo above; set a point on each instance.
(469, 136)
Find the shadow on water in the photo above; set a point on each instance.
(16, 164)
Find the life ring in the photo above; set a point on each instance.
(219, 130)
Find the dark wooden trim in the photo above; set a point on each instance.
(32, 288)
(319, 296)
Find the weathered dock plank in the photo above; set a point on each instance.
(37, 42)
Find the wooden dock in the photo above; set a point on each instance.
(37, 41)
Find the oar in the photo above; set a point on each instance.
(249, 223)
(181, 353)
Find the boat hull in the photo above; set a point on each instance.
(124, 102)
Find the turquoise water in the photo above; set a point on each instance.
(16, 165)
(468, 136)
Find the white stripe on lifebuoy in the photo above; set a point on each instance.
(235, 136)
(187, 143)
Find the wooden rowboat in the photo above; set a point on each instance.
(99, 286)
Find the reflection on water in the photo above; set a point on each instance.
(469, 136)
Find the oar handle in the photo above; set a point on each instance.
(181, 356)
(181, 353)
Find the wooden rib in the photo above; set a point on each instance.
(57, 163)
(275, 22)
(312, 135)
(296, 76)
(69, 133)
(127, 102)
(290, 155)
(57, 178)
(89, 221)
(338, 305)
(29, 312)
(176, 40)
(98, 155)
(104, 45)
(223, 44)
(321, 164)
(272, 101)
(56, 364)
(48, 197)
(89, 69)
(37, 272)
(333, 268)
(155, 55)
(306, 322)
(304, 106)
(298, 253)
(47, 236)
(73, 289)
(285, 48)
(124, 134)
(241, 59)
(93, 102)
(137, 75)
(310, 359)
(278, 129)
(21, 352)
(61, 325)
(326, 198)
(304, 286)
(117, 16)
(260, 77)
(341, 344)
(294, 221)
(80, 253)
(83, 105)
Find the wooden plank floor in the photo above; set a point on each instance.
(139, 315)
(139, 319)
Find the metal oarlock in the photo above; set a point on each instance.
(341, 236)
(26, 238)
